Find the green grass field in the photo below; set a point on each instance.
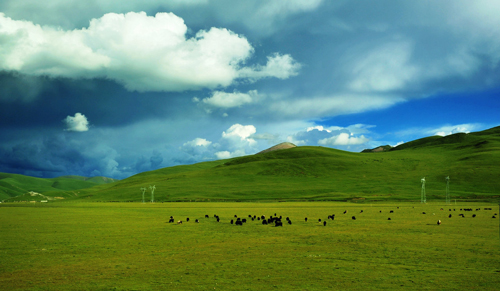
(130, 246)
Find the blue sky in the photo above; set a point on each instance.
(115, 88)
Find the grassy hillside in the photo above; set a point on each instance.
(13, 185)
(317, 173)
(312, 173)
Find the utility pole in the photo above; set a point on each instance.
(422, 193)
(152, 193)
(143, 191)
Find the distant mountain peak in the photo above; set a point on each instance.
(378, 149)
(281, 146)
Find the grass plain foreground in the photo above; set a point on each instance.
(131, 246)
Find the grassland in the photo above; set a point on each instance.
(130, 246)
(79, 243)
(13, 185)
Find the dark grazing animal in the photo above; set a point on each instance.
(353, 218)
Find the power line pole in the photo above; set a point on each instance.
(422, 192)
(152, 193)
(143, 191)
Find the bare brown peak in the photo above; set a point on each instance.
(281, 146)
(378, 149)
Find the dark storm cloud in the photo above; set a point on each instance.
(48, 157)
(104, 103)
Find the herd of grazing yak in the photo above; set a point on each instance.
(277, 221)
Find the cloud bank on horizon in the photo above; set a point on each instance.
(188, 81)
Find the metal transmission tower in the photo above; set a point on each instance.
(422, 196)
(143, 191)
(152, 188)
(448, 190)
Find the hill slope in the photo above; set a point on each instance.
(317, 173)
(281, 146)
(12, 185)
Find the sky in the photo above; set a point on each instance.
(115, 88)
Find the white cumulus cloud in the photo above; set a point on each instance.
(278, 66)
(227, 154)
(144, 53)
(200, 142)
(333, 136)
(343, 139)
(240, 134)
(223, 155)
(76, 123)
(451, 129)
(228, 100)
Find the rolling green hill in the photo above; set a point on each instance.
(14, 185)
(317, 173)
